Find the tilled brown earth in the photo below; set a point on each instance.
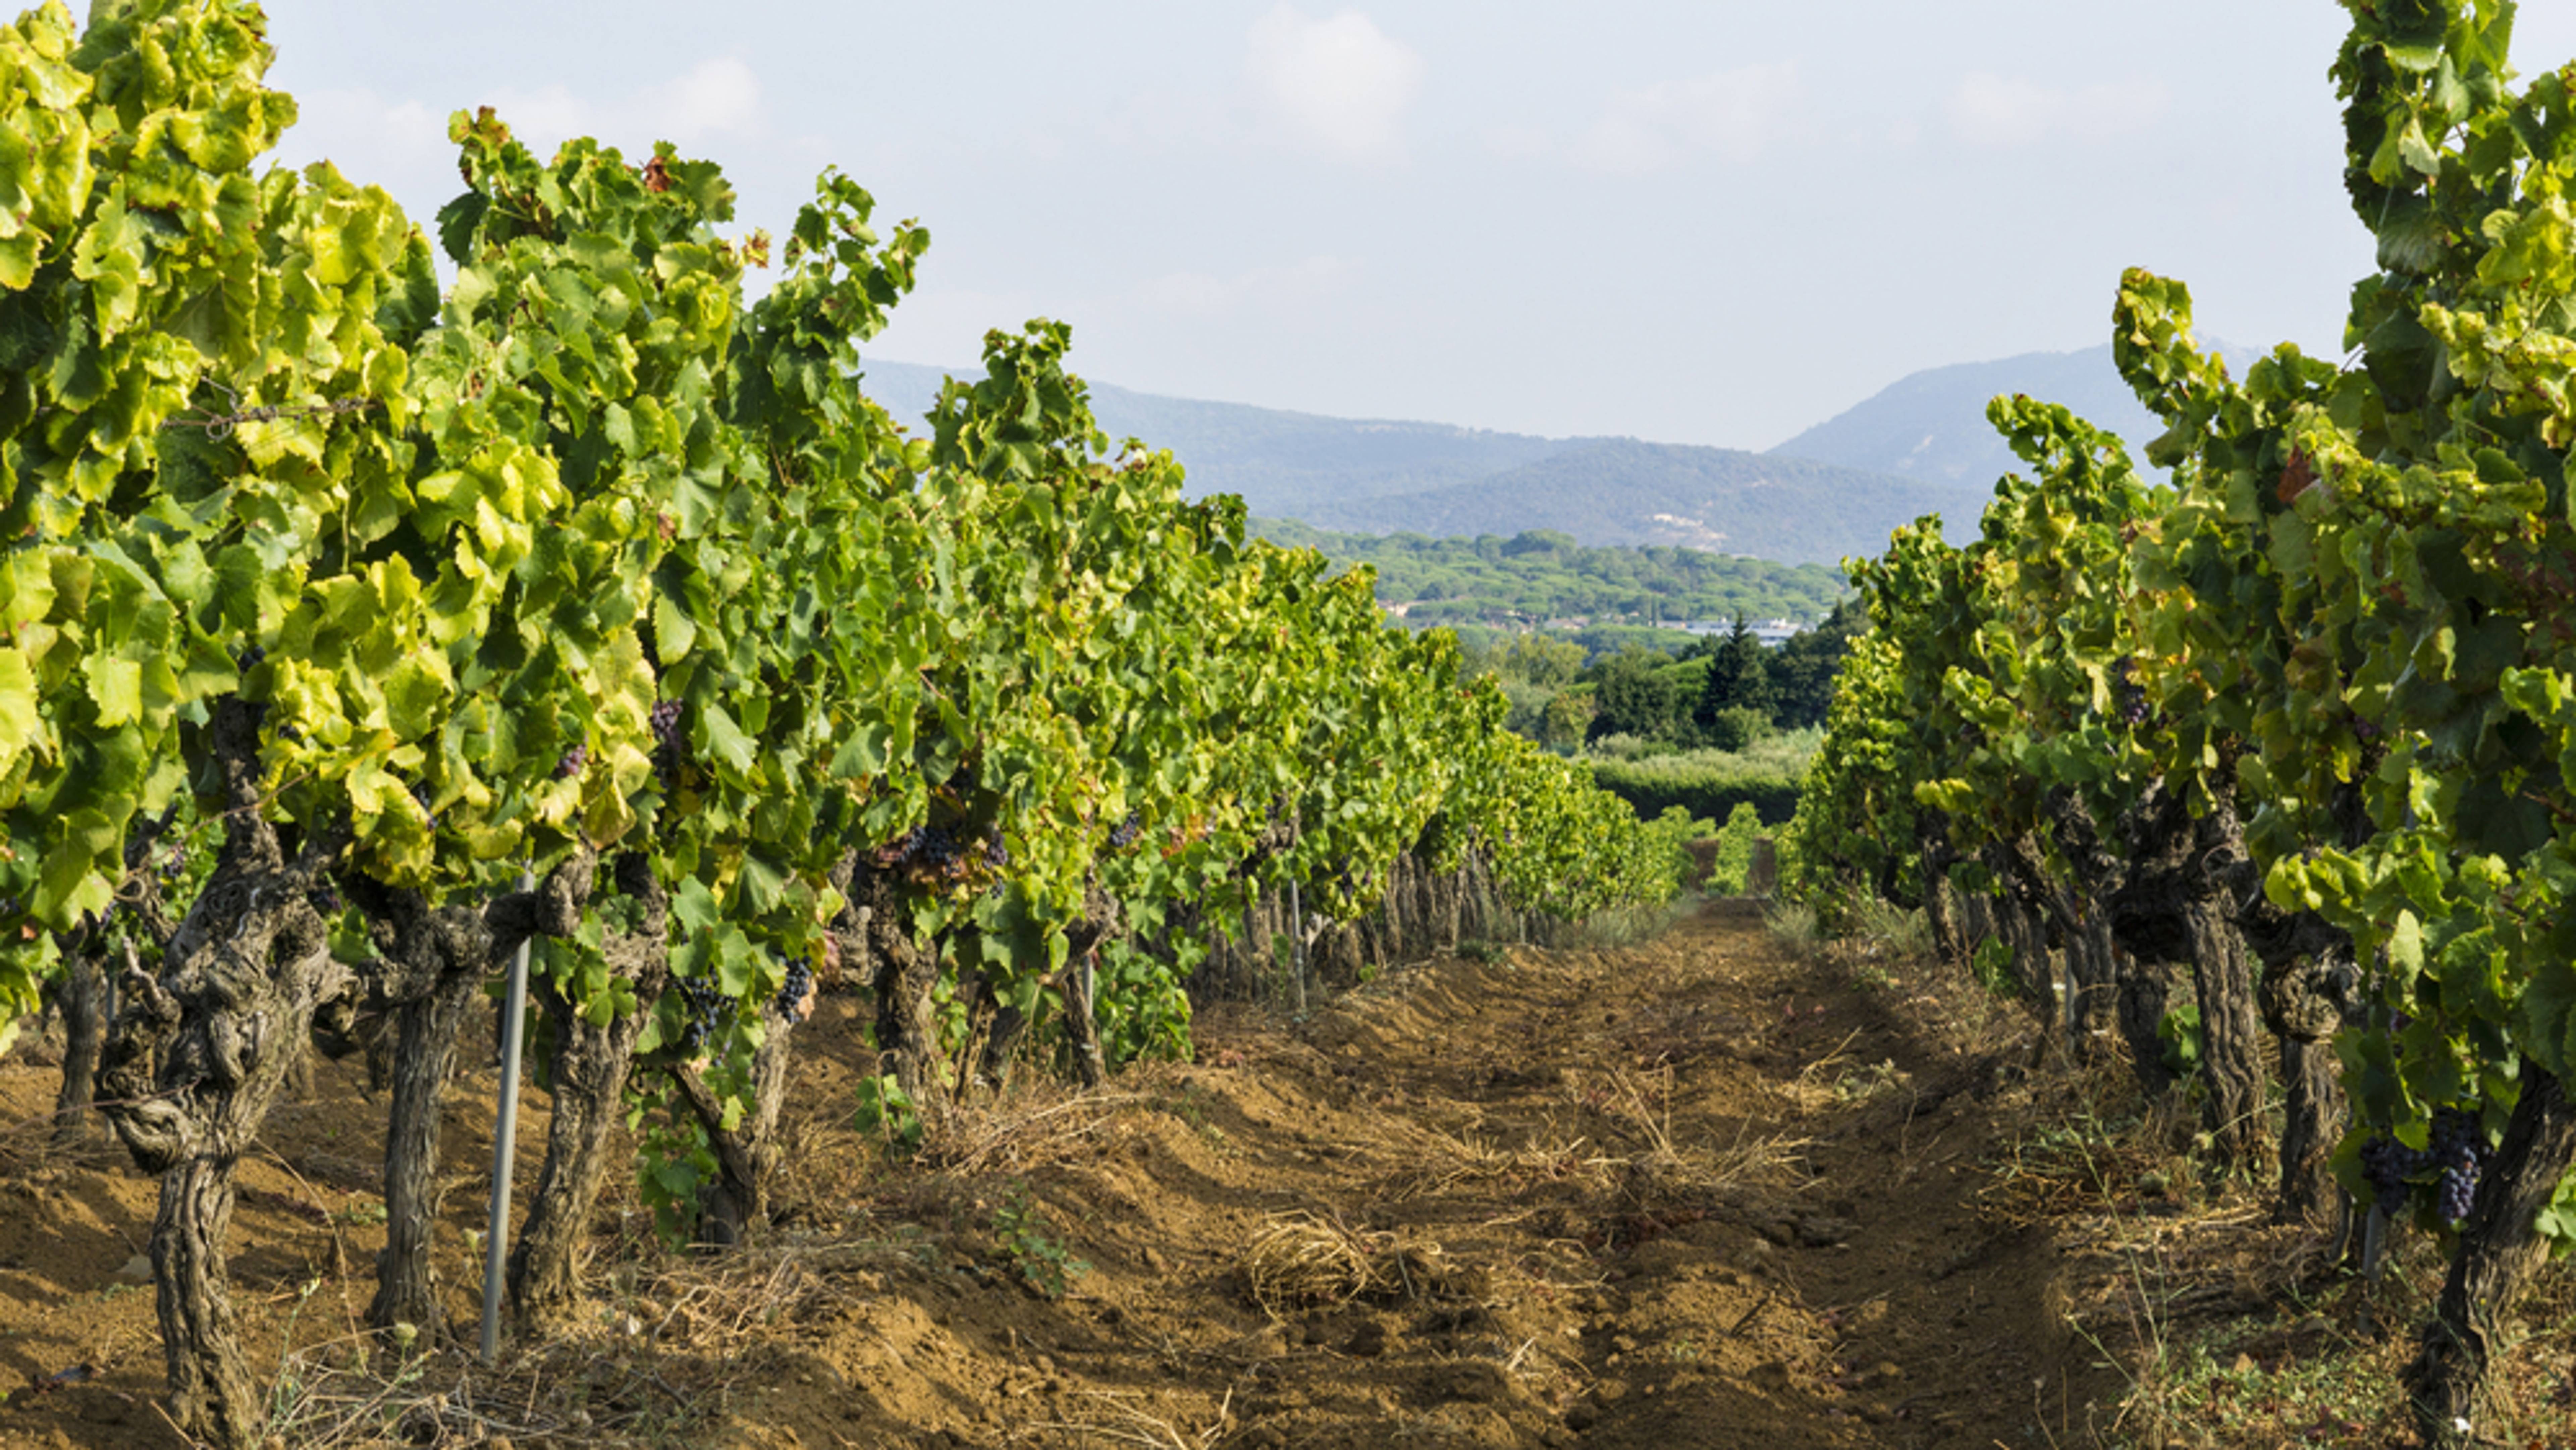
(1694, 1193)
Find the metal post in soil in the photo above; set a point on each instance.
(1297, 947)
(505, 1132)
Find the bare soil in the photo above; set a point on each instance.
(1698, 1192)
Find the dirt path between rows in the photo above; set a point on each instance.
(1699, 1192)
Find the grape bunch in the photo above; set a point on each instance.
(669, 746)
(930, 847)
(252, 656)
(799, 987)
(996, 855)
(325, 898)
(2386, 1165)
(2459, 1150)
(572, 762)
(2127, 695)
(706, 1007)
(1125, 833)
(2455, 1156)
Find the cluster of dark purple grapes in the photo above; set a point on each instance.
(2459, 1150)
(706, 1004)
(325, 898)
(1124, 834)
(572, 762)
(2127, 695)
(2386, 1164)
(11, 906)
(173, 862)
(669, 748)
(252, 657)
(928, 846)
(2454, 1156)
(996, 855)
(800, 983)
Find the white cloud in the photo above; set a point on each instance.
(1993, 110)
(1339, 84)
(1732, 114)
(717, 97)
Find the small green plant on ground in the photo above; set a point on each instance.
(1045, 1265)
(888, 1114)
(1904, 931)
(2184, 1040)
(1793, 925)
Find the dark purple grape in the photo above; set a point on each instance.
(665, 723)
(2456, 1191)
(2387, 1165)
(996, 855)
(670, 747)
(706, 1008)
(325, 898)
(252, 658)
(799, 984)
(931, 847)
(572, 762)
(1125, 833)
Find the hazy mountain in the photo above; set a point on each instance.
(1932, 425)
(1372, 476)
(1620, 491)
(1282, 463)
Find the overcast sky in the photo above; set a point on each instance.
(1691, 221)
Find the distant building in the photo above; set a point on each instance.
(1772, 633)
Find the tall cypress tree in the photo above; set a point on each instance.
(1738, 678)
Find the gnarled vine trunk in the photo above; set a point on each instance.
(2500, 1247)
(747, 1151)
(2231, 1062)
(192, 1064)
(2307, 1000)
(84, 997)
(902, 973)
(587, 1086)
(428, 966)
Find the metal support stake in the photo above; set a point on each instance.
(1297, 947)
(505, 1133)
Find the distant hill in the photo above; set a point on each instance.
(1368, 476)
(1620, 491)
(1282, 463)
(1932, 425)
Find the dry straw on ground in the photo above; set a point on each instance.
(1301, 1259)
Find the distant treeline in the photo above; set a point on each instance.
(1541, 575)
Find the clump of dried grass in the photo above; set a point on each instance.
(1300, 1259)
(343, 1395)
(1019, 1131)
(1638, 1160)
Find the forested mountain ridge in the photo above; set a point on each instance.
(1931, 425)
(1383, 477)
